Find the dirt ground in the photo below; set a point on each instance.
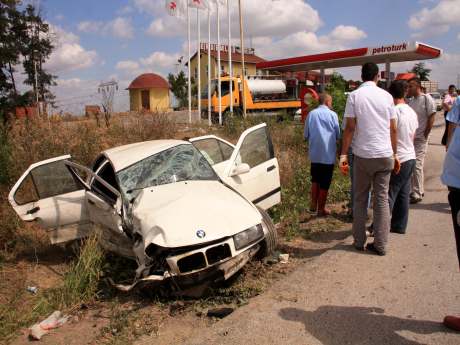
(126, 318)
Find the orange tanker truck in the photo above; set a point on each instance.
(263, 95)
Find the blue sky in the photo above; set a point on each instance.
(103, 39)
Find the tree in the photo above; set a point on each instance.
(337, 88)
(178, 85)
(421, 71)
(36, 48)
(24, 36)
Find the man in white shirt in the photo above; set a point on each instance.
(425, 108)
(407, 124)
(371, 124)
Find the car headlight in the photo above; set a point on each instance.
(249, 236)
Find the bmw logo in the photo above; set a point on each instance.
(200, 234)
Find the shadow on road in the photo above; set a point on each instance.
(440, 207)
(336, 325)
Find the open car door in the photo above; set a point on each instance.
(253, 169)
(50, 194)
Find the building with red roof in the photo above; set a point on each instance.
(149, 92)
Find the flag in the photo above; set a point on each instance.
(174, 7)
(201, 4)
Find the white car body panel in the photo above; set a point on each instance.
(170, 215)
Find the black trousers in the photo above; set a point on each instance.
(446, 130)
(454, 201)
(322, 174)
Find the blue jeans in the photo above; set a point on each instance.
(399, 195)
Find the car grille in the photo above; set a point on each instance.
(191, 263)
(218, 253)
(198, 261)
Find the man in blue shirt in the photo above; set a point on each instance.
(451, 178)
(322, 132)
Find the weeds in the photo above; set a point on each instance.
(80, 285)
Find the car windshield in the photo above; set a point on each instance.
(179, 163)
(204, 93)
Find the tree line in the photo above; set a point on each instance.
(25, 45)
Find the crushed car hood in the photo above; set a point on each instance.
(179, 214)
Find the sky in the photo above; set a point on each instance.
(100, 40)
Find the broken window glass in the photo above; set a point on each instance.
(179, 163)
(214, 150)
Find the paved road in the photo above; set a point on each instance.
(345, 297)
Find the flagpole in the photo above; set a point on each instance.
(218, 65)
(209, 66)
(242, 59)
(230, 68)
(189, 68)
(199, 61)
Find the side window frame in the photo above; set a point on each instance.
(96, 190)
(36, 189)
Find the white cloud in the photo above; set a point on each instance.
(158, 62)
(127, 65)
(436, 20)
(125, 10)
(304, 43)
(88, 26)
(68, 54)
(280, 18)
(119, 27)
(343, 33)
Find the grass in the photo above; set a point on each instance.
(80, 285)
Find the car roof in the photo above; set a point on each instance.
(122, 157)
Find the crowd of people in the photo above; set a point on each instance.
(384, 143)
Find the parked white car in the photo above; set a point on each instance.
(189, 210)
(437, 100)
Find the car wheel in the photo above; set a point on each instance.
(270, 242)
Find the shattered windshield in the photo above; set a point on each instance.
(179, 163)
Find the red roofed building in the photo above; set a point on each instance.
(149, 92)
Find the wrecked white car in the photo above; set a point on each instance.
(188, 211)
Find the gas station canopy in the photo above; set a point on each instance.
(387, 54)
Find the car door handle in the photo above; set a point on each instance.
(33, 210)
(270, 168)
(91, 202)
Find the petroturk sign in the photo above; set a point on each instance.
(390, 49)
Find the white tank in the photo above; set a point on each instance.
(266, 87)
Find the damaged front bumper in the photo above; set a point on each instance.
(212, 273)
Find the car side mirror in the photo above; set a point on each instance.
(241, 169)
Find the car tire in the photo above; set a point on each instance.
(270, 242)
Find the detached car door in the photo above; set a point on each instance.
(253, 169)
(50, 194)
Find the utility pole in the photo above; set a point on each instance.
(36, 85)
(242, 60)
(107, 89)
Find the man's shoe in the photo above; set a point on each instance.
(358, 248)
(370, 247)
(396, 231)
(415, 200)
(452, 322)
